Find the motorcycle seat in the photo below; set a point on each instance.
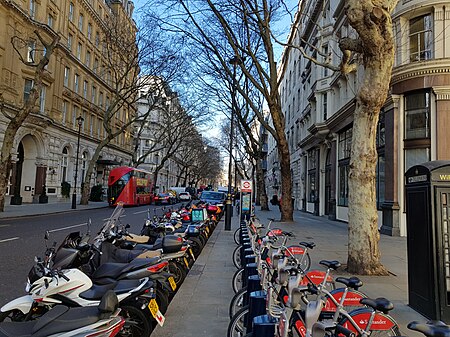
(113, 270)
(97, 291)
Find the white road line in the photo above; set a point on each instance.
(140, 212)
(68, 227)
(10, 239)
(4, 226)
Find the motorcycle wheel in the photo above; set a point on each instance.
(203, 238)
(162, 298)
(196, 246)
(138, 323)
(12, 316)
(178, 273)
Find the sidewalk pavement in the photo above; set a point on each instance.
(14, 211)
(200, 308)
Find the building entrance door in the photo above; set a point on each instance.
(328, 183)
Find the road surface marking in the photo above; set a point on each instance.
(5, 226)
(140, 212)
(10, 239)
(68, 227)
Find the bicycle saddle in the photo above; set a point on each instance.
(381, 304)
(352, 282)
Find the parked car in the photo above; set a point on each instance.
(184, 196)
(164, 199)
(213, 198)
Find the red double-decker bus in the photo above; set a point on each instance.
(131, 186)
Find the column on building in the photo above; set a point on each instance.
(390, 207)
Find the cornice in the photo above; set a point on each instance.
(420, 69)
(442, 93)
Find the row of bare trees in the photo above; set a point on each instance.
(127, 53)
(243, 30)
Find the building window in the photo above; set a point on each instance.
(42, 100)
(80, 22)
(27, 89)
(89, 31)
(93, 94)
(64, 163)
(416, 156)
(420, 38)
(100, 99)
(84, 160)
(31, 51)
(312, 175)
(79, 49)
(97, 39)
(345, 141)
(417, 115)
(64, 112)
(71, 11)
(325, 106)
(380, 169)
(32, 8)
(91, 125)
(325, 59)
(50, 20)
(74, 116)
(88, 58)
(95, 67)
(76, 83)
(85, 89)
(69, 41)
(66, 76)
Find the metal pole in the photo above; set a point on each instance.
(74, 195)
(228, 207)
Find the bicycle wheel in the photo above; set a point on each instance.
(236, 327)
(298, 252)
(377, 331)
(237, 302)
(237, 280)
(236, 234)
(237, 257)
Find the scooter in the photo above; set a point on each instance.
(101, 321)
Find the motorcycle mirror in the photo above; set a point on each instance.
(127, 226)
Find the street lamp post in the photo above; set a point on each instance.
(80, 120)
(228, 205)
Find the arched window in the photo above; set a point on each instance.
(64, 163)
(84, 160)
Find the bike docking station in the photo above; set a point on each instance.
(246, 199)
(428, 238)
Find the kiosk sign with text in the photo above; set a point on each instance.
(246, 186)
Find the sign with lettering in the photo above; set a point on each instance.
(246, 186)
(417, 179)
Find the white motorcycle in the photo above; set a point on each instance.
(71, 287)
(61, 321)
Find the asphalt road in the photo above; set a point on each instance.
(22, 239)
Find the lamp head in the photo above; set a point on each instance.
(80, 120)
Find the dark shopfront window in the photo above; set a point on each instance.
(345, 144)
(312, 175)
(380, 169)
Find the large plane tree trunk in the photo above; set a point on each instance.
(375, 43)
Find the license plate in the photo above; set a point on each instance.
(192, 253)
(186, 262)
(154, 310)
(173, 285)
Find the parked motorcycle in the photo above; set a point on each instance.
(101, 321)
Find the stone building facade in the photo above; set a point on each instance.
(318, 105)
(77, 83)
